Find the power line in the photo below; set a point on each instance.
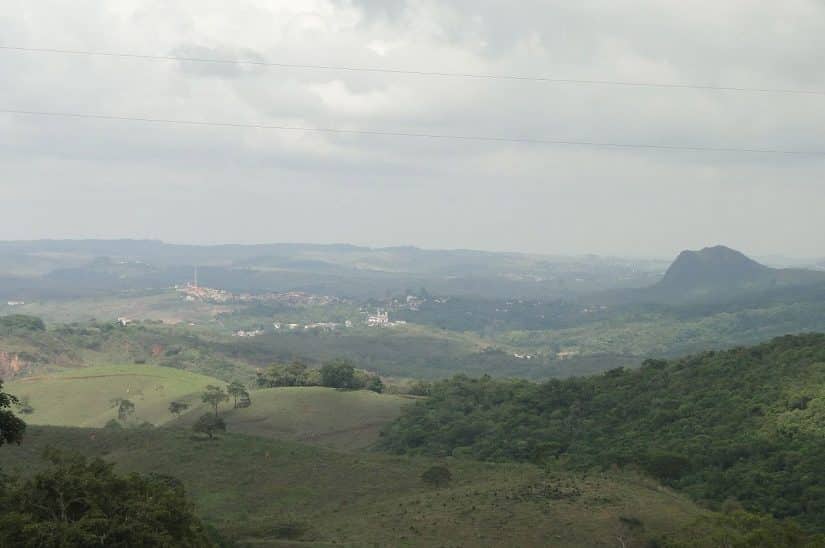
(367, 132)
(477, 76)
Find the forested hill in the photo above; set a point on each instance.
(720, 271)
(746, 424)
(714, 267)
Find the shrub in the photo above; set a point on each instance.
(338, 374)
(437, 476)
(20, 322)
(209, 424)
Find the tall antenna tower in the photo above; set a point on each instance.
(196, 276)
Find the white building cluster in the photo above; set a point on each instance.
(382, 319)
(252, 333)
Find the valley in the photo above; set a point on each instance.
(412, 274)
(619, 414)
(261, 492)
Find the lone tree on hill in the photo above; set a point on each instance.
(214, 396)
(375, 384)
(437, 476)
(178, 407)
(238, 391)
(11, 427)
(209, 424)
(125, 408)
(24, 406)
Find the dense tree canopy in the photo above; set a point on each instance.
(79, 502)
(20, 322)
(338, 374)
(11, 427)
(294, 374)
(747, 424)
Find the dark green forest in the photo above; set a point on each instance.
(743, 425)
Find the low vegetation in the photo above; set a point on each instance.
(257, 492)
(144, 395)
(341, 419)
(92, 396)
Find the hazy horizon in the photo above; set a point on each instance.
(776, 259)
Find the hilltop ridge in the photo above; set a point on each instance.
(719, 272)
(717, 266)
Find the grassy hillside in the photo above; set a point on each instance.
(83, 396)
(747, 424)
(271, 493)
(324, 416)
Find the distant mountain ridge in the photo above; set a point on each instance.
(81, 268)
(720, 270)
(717, 266)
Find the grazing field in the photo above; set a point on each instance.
(85, 396)
(325, 416)
(343, 419)
(261, 492)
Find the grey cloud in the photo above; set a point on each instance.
(201, 55)
(392, 190)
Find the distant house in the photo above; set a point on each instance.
(379, 319)
(253, 333)
(324, 326)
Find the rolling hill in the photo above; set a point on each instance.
(324, 416)
(85, 397)
(721, 272)
(31, 270)
(259, 492)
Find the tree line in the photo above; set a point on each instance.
(338, 373)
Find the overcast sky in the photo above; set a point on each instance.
(71, 178)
